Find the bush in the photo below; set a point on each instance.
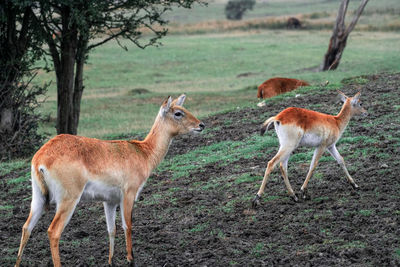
(235, 9)
(21, 45)
(18, 121)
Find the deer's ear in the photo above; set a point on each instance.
(180, 100)
(357, 96)
(165, 106)
(343, 97)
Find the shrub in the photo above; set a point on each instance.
(19, 123)
(235, 9)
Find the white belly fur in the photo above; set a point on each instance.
(98, 191)
(310, 139)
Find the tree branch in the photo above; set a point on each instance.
(107, 39)
(50, 42)
(356, 17)
(23, 33)
(339, 25)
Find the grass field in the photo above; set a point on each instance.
(273, 8)
(214, 70)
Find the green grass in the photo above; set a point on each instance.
(247, 178)
(366, 213)
(258, 249)
(206, 67)
(6, 207)
(223, 153)
(8, 167)
(320, 199)
(20, 179)
(353, 244)
(198, 228)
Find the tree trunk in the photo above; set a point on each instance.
(332, 57)
(65, 88)
(339, 36)
(78, 86)
(65, 77)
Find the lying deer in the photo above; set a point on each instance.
(71, 168)
(276, 86)
(302, 127)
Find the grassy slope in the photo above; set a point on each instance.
(233, 184)
(204, 194)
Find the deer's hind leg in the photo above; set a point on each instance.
(37, 206)
(64, 212)
(289, 139)
(281, 155)
(67, 197)
(283, 166)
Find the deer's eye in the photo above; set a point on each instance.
(178, 114)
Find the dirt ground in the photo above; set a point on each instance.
(216, 226)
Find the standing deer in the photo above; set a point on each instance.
(302, 127)
(71, 168)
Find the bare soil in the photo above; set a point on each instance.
(215, 226)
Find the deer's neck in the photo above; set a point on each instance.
(156, 143)
(344, 116)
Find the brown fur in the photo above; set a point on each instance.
(276, 86)
(305, 119)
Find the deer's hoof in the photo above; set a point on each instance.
(294, 198)
(304, 194)
(132, 263)
(256, 201)
(355, 186)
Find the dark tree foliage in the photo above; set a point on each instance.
(73, 28)
(19, 49)
(235, 9)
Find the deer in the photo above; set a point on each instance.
(276, 86)
(69, 168)
(302, 127)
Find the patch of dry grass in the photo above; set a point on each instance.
(314, 20)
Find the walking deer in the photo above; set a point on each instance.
(70, 168)
(302, 127)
